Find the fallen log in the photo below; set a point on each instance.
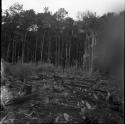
(85, 86)
(21, 99)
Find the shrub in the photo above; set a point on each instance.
(45, 67)
(22, 71)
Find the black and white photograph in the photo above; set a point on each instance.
(62, 61)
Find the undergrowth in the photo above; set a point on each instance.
(23, 71)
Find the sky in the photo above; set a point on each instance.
(72, 6)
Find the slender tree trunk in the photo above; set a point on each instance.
(49, 48)
(18, 56)
(22, 52)
(77, 56)
(66, 54)
(36, 52)
(69, 52)
(27, 50)
(23, 47)
(5, 42)
(42, 45)
(59, 50)
(8, 50)
(13, 53)
(56, 58)
(92, 46)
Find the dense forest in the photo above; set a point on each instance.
(28, 36)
